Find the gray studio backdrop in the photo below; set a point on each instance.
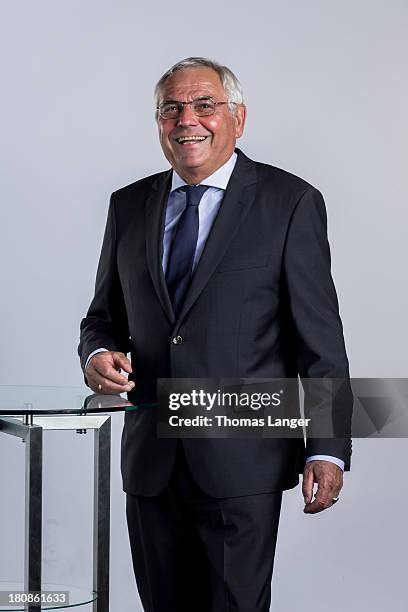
(325, 84)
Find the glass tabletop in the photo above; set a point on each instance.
(34, 400)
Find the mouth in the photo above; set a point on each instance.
(190, 140)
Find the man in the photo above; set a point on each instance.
(219, 267)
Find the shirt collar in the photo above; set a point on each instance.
(218, 179)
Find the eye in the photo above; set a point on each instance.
(203, 107)
(169, 108)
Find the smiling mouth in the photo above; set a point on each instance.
(188, 140)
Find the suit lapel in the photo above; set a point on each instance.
(155, 218)
(236, 203)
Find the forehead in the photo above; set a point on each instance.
(191, 83)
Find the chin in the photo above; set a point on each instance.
(192, 161)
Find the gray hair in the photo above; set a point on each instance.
(229, 81)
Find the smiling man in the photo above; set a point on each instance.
(218, 267)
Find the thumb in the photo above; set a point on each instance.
(120, 360)
(307, 484)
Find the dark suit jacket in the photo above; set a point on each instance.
(261, 304)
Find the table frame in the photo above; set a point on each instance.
(30, 429)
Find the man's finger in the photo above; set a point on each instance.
(119, 359)
(106, 371)
(109, 387)
(315, 507)
(323, 499)
(307, 485)
(101, 384)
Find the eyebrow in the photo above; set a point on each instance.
(178, 101)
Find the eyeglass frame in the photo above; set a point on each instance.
(183, 104)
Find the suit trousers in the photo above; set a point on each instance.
(191, 551)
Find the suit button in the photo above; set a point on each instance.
(177, 340)
(130, 337)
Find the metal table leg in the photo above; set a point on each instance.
(102, 446)
(33, 512)
(32, 435)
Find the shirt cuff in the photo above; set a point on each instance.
(335, 460)
(99, 350)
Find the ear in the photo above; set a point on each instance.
(240, 116)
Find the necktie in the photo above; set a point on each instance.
(181, 256)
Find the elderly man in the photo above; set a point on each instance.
(218, 267)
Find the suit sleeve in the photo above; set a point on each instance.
(318, 331)
(105, 324)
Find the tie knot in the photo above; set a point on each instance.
(194, 193)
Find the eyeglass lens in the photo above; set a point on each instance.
(201, 108)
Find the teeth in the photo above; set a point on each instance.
(190, 138)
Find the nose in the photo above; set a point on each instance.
(187, 117)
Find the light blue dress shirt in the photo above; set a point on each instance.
(207, 211)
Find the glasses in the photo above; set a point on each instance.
(202, 107)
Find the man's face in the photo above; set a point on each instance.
(194, 161)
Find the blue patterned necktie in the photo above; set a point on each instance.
(182, 251)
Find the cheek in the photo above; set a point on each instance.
(217, 126)
(212, 124)
(164, 131)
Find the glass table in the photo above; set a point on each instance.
(25, 412)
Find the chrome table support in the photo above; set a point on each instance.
(102, 441)
(30, 430)
(33, 511)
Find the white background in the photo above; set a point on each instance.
(326, 89)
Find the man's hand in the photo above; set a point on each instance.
(103, 373)
(329, 478)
